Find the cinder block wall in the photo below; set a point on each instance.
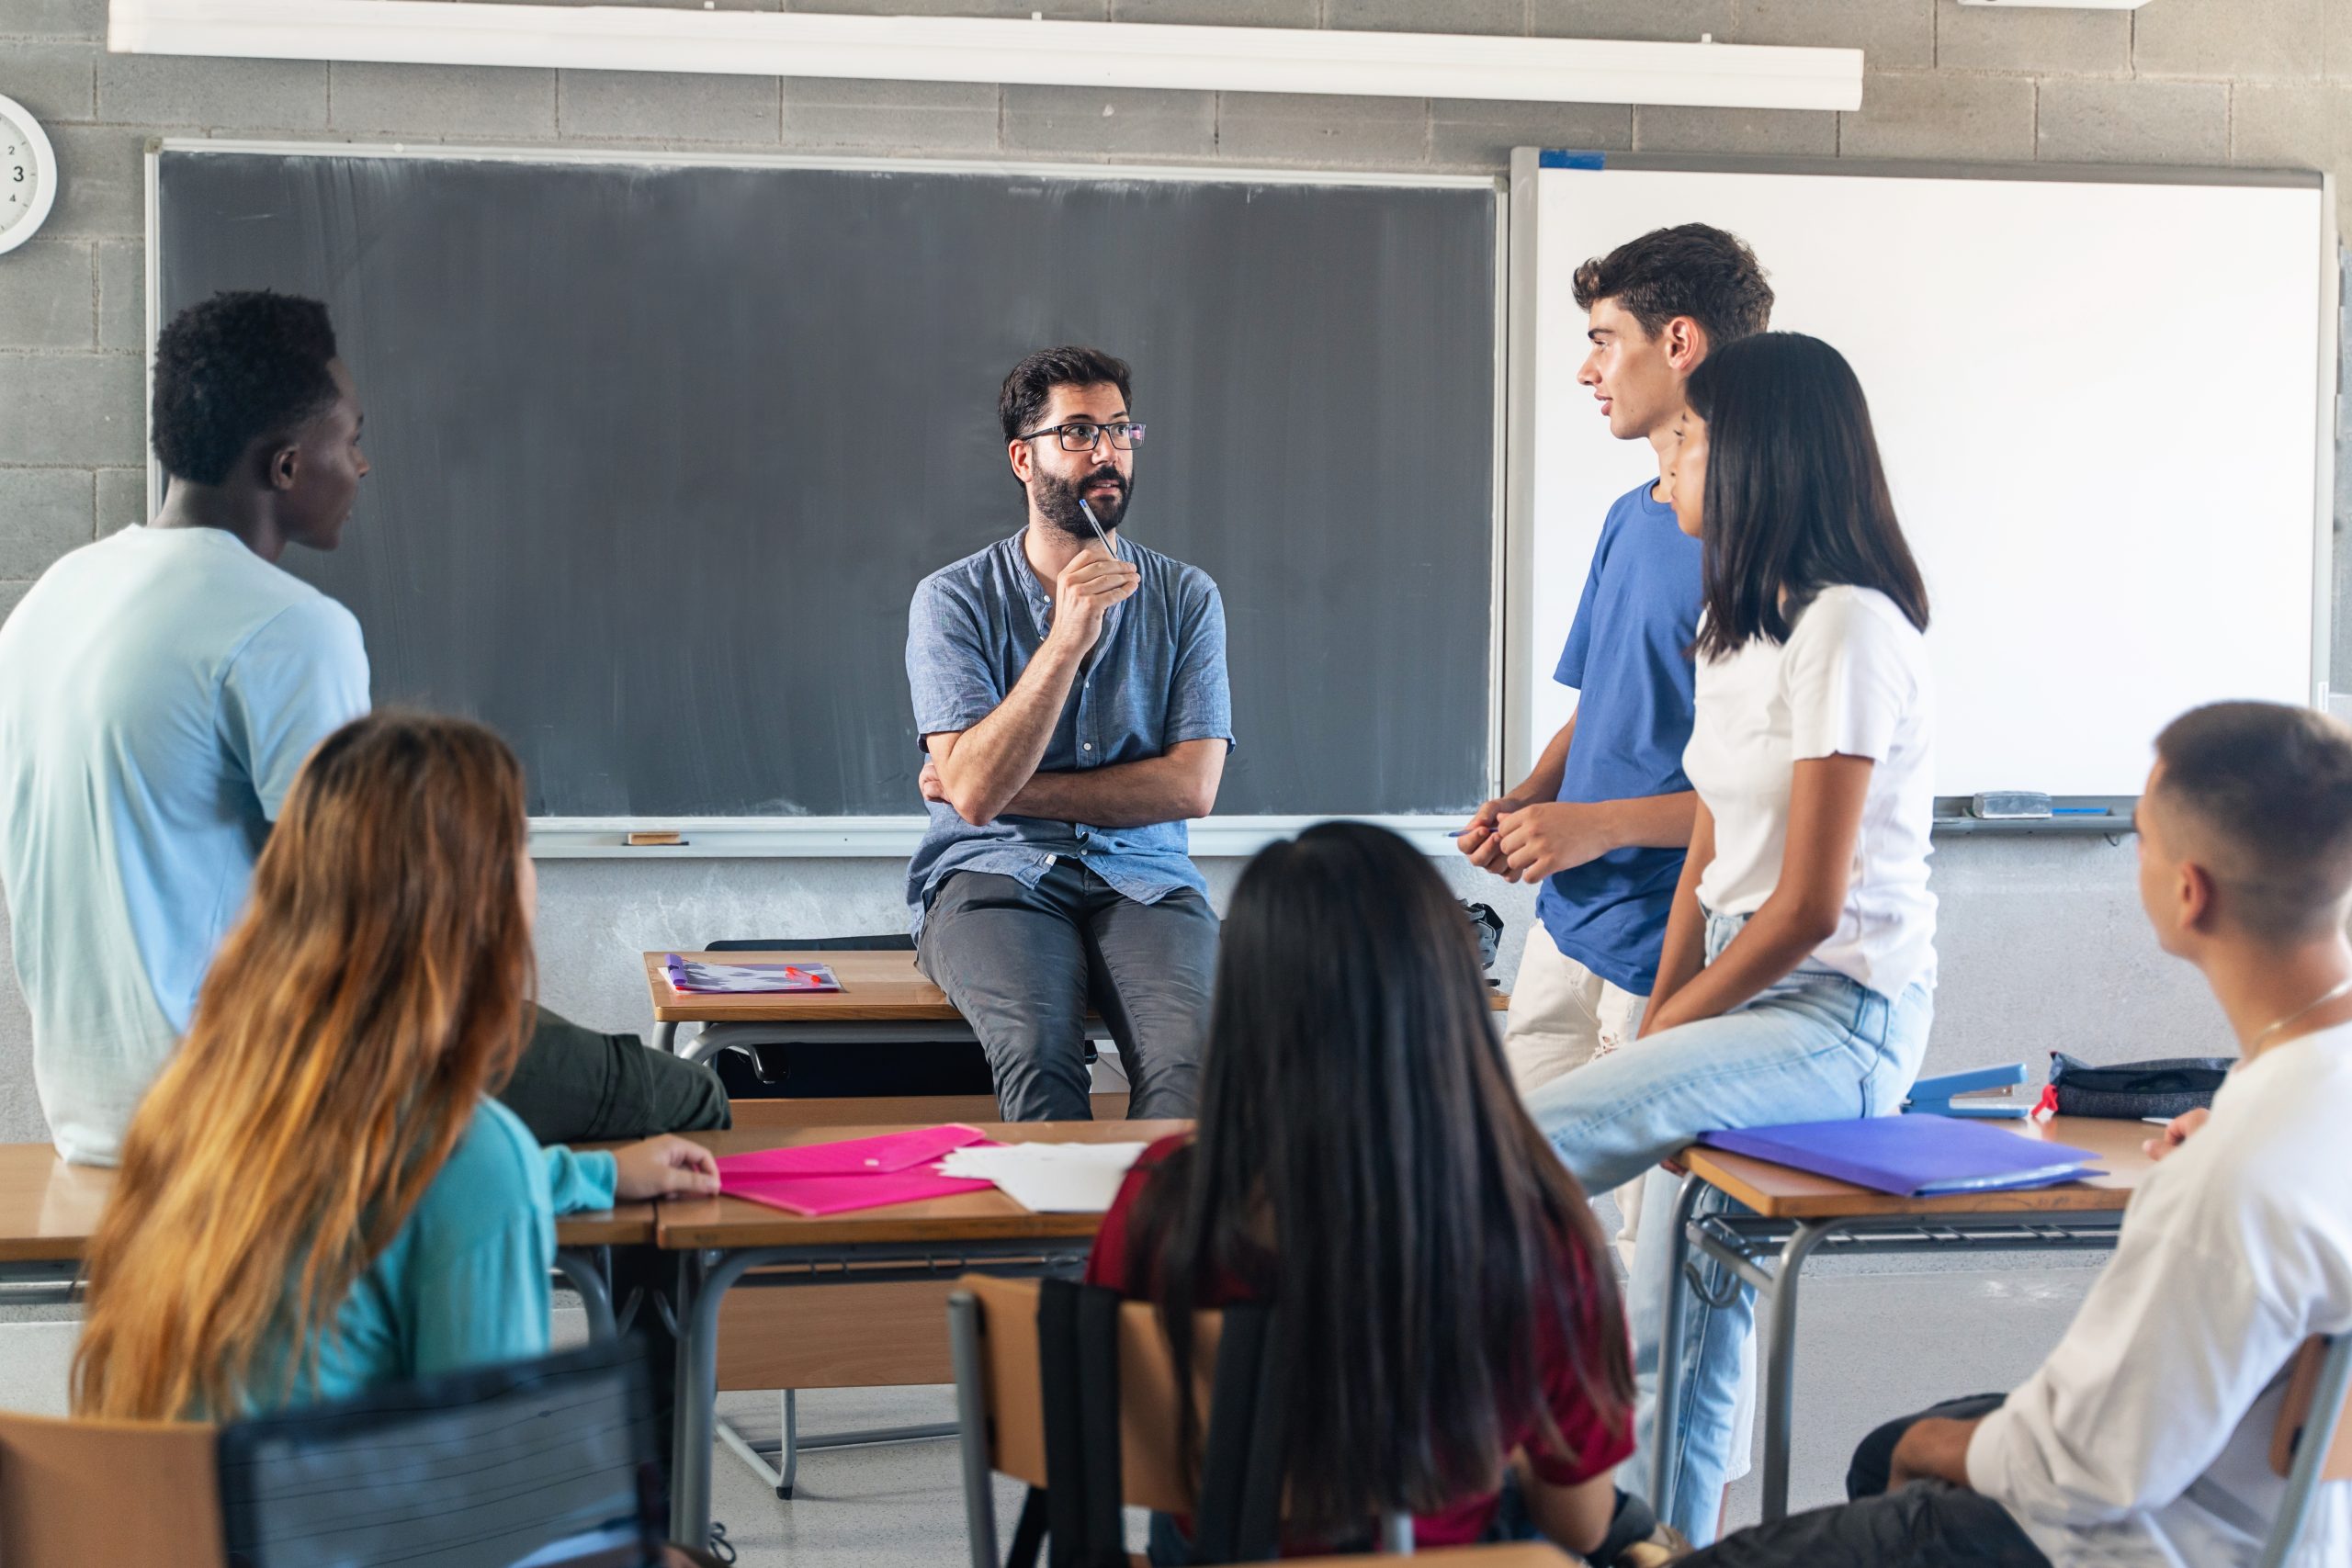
(2041, 945)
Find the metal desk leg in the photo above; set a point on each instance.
(1666, 1429)
(665, 1038)
(697, 1389)
(585, 1270)
(1780, 1365)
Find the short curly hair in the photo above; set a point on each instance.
(233, 370)
(1692, 270)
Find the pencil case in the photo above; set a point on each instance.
(2128, 1091)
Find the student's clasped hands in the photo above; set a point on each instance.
(1529, 841)
(666, 1166)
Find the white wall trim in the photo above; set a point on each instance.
(964, 49)
(895, 837)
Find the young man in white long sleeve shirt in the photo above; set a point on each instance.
(2143, 1440)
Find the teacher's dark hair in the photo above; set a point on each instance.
(233, 370)
(1363, 1162)
(1021, 401)
(1797, 499)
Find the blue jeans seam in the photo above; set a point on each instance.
(1844, 1040)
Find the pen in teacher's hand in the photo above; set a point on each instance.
(1098, 529)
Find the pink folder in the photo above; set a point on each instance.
(857, 1173)
(854, 1157)
(840, 1194)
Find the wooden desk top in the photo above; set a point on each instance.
(49, 1209)
(1778, 1192)
(877, 988)
(974, 1216)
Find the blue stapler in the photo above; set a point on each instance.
(1938, 1096)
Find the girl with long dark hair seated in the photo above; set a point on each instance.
(317, 1197)
(1797, 981)
(1445, 1304)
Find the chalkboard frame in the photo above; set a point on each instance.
(897, 837)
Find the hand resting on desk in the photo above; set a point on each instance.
(2176, 1133)
(666, 1166)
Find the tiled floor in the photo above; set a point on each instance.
(1873, 1346)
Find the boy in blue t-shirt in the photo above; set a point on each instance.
(1603, 819)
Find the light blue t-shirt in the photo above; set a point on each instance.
(158, 690)
(464, 1282)
(1628, 656)
(1157, 678)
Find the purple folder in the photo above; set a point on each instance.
(1912, 1156)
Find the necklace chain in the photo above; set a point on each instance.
(2339, 988)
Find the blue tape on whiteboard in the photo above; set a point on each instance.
(1551, 159)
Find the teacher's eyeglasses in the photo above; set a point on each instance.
(1124, 436)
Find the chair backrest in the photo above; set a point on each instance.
(2312, 1445)
(553, 1460)
(1153, 1473)
(73, 1493)
(2295, 1417)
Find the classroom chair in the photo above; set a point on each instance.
(2312, 1444)
(1108, 1438)
(551, 1460)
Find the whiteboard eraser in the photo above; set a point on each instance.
(655, 840)
(1997, 805)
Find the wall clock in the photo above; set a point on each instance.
(27, 175)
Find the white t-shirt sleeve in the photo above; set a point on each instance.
(1850, 674)
(2174, 1344)
(297, 681)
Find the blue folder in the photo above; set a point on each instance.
(1912, 1156)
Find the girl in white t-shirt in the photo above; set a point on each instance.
(1798, 977)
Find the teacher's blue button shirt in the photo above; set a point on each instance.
(1158, 680)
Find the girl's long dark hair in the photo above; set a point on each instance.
(1797, 499)
(1364, 1161)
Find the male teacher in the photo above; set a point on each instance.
(1070, 688)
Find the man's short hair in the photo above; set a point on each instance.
(1689, 270)
(234, 369)
(2269, 789)
(1026, 391)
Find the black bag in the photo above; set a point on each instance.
(2130, 1091)
(1488, 927)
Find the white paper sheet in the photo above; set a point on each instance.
(1049, 1179)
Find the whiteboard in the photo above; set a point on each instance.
(2103, 409)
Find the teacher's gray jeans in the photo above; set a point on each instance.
(1023, 966)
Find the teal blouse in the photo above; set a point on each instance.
(466, 1280)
